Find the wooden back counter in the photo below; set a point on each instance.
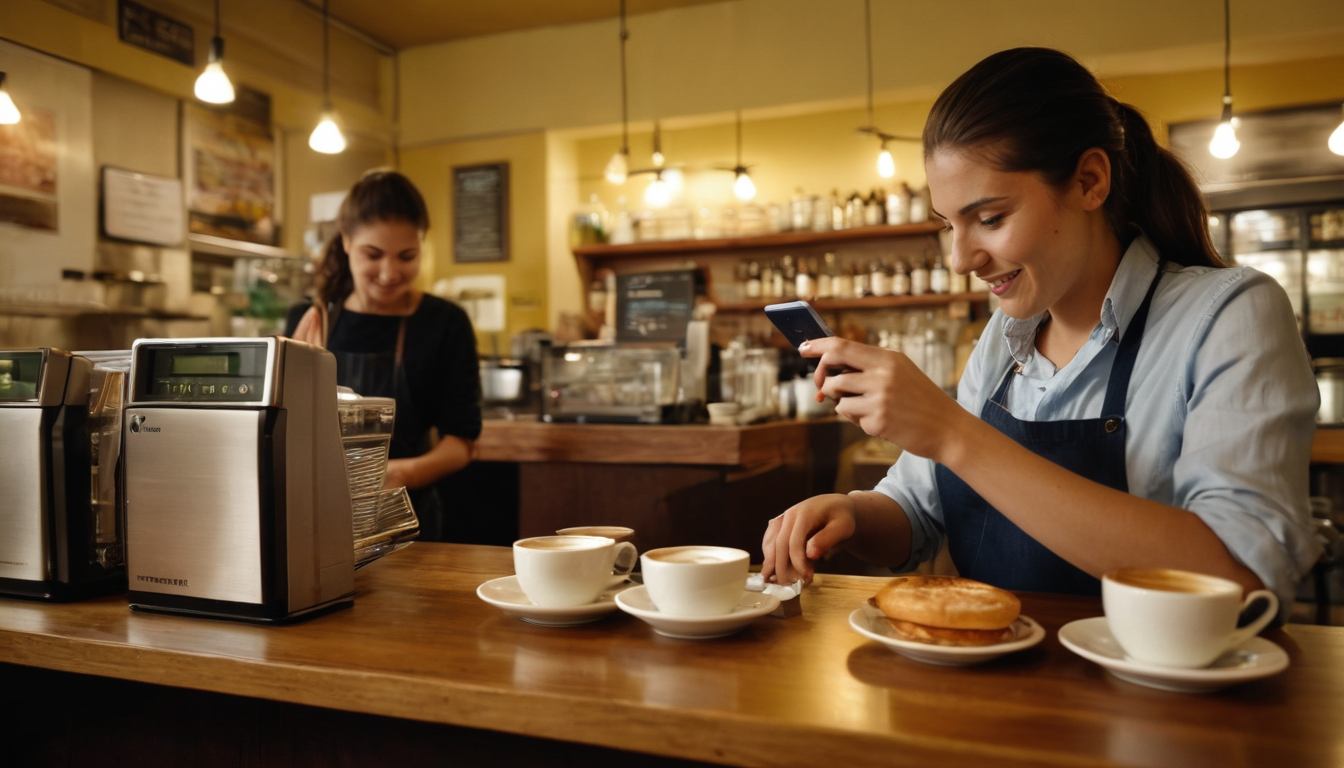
(421, 670)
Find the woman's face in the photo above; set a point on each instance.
(1027, 239)
(384, 262)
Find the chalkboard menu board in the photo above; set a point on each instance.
(654, 306)
(481, 213)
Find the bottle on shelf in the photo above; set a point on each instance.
(842, 285)
(939, 278)
(789, 277)
(900, 280)
(753, 279)
(919, 206)
(827, 277)
(854, 211)
(837, 210)
(919, 278)
(806, 280)
(862, 281)
(821, 215)
(800, 211)
(879, 280)
(873, 213)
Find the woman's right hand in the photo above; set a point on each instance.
(804, 534)
(310, 328)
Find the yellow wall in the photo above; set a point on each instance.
(431, 168)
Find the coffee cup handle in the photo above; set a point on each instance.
(1251, 630)
(626, 557)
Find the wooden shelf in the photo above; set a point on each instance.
(778, 240)
(867, 302)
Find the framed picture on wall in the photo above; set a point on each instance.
(481, 213)
(229, 167)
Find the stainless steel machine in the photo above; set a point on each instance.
(55, 543)
(237, 501)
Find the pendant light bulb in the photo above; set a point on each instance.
(743, 187)
(9, 113)
(886, 166)
(326, 137)
(1225, 144)
(658, 194)
(618, 167)
(658, 159)
(213, 85)
(1336, 142)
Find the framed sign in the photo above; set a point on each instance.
(143, 208)
(229, 173)
(481, 213)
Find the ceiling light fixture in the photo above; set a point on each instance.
(658, 158)
(326, 137)
(1224, 143)
(618, 167)
(213, 85)
(886, 164)
(1336, 142)
(9, 113)
(743, 187)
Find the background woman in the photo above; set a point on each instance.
(391, 339)
(1131, 403)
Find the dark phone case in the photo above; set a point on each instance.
(799, 322)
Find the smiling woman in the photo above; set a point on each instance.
(1131, 403)
(393, 340)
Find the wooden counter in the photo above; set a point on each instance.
(674, 484)
(419, 646)
(1328, 446)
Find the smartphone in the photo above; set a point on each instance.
(798, 321)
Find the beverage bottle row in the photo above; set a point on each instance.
(808, 278)
(814, 213)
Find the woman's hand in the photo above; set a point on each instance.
(887, 396)
(804, 534)
(310, 328)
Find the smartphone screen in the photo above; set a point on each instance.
(798, 321)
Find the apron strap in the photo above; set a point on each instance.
(1117, 389)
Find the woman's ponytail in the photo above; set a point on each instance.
(334, 281)
(1153, 191)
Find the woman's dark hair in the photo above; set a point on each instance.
(377, 196)
(1037, 109)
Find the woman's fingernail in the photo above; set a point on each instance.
(821, 398)
(804, 346)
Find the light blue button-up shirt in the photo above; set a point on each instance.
(1219, 417)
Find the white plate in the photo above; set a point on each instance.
(753, 605)
(870, 623)
(1254, 659)
(505, 594)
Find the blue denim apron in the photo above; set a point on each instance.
(988, 547)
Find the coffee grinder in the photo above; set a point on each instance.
(56, 543)
(237, 501)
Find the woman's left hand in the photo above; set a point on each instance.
(887, 396)
(398, 473)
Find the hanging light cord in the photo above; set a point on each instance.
(1227, 49)
(739, 140)
(216, 18)
(326, 61)
(625, 116)
(868, 30)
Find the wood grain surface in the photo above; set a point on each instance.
(773, 443)
(419, 645)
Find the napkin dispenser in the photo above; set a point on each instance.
(237, 501)
(56, 543)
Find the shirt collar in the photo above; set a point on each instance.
(1128, 287)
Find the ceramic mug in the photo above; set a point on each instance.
(695, 580)
(618, 532)
(1174, 618)
(569, 571)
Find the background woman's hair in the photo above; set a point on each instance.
(1037, 109)
(379, 195)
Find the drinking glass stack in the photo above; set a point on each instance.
(384, 520)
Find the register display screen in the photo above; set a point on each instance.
(654, 306)
(20, 373)
(230, 373)
(225, 363)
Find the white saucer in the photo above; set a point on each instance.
(869, 622)
(753, 605)
(505, 594)
(1254, 659)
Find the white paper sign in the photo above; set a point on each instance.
(143, 208)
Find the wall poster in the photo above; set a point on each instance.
(48, 216)
(229, 161)
(481, 213)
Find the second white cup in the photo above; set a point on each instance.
(1173, 618)
(695, 580)
(569, 571)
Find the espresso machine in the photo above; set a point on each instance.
(56, 541)
(237, 500)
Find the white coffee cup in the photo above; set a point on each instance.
(569, 571)
(695, 580)
(617, 532)
(1174, 618)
